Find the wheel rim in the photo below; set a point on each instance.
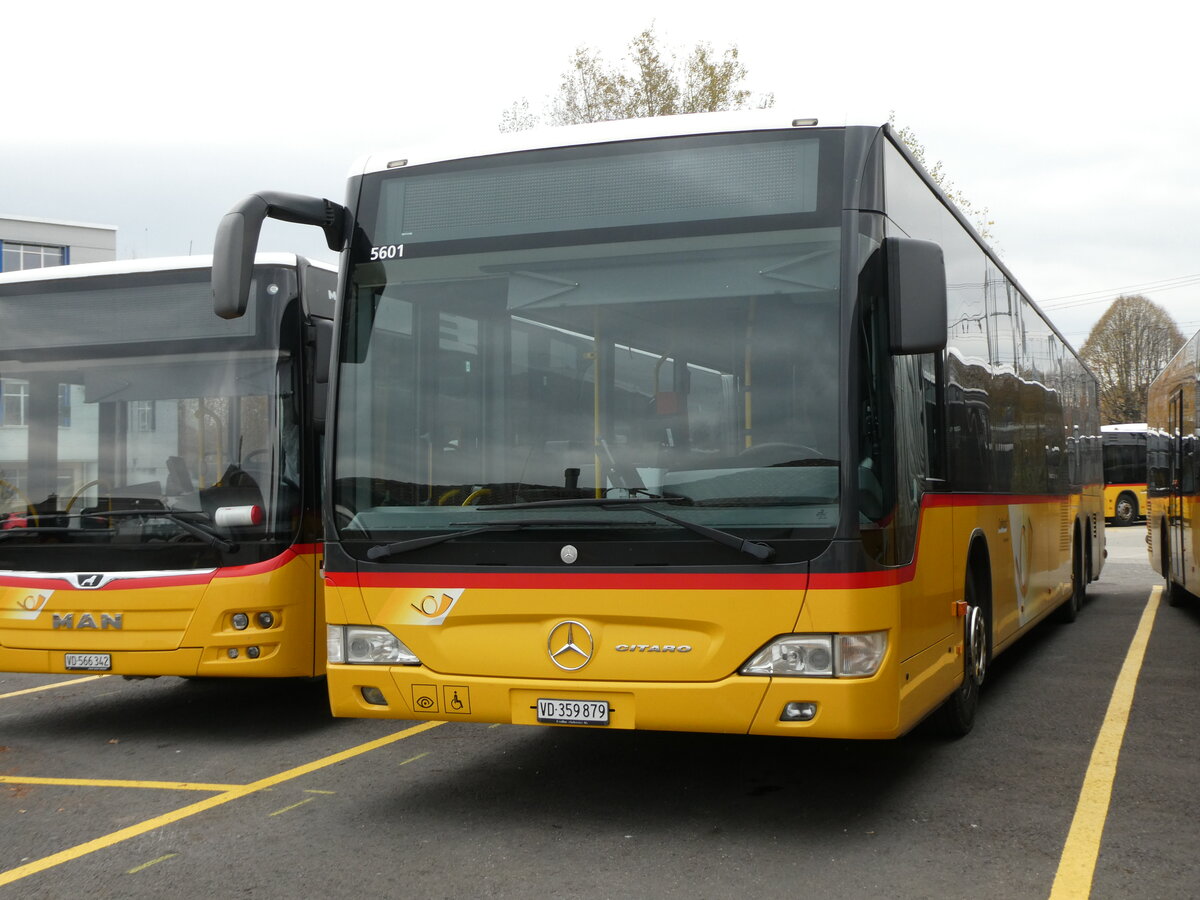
(976, 646)
(1124, 510)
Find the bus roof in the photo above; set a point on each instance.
(156, 264)
(422, 153)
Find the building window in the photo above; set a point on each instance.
(16, 257)
(14, 401)
(143, 415)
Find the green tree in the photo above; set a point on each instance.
(979, 217)
(1127, 348)
(652, 82)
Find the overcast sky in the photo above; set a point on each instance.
(1074, 124)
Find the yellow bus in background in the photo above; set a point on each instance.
(714, 423)
(159, 469)
(1172, 469)
(1124, 472)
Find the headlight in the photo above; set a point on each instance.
(820, 656)
(365, 645)
(794, 654)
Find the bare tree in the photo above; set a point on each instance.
(979, 217)
(1126, 348)
(651, 83)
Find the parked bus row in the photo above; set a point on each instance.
(713, 423)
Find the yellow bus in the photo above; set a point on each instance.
(159, 470)
(1172, 469)
(1124, 472)
(717, 423)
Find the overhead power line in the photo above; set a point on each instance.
(1067, 301)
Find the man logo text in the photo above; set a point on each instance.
(88, 620)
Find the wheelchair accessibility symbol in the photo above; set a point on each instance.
(456, 698)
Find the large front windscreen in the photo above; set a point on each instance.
(131, 413)
(652, 321)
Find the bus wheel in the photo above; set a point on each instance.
(1125, 509)
(1069, 611)
(1173, 593)
(956, 716)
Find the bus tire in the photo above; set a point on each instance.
(1125, 509)
(1173, 593)
(1068, 610)
(956, 716)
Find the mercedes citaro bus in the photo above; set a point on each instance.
(159, 469)
(715, 423)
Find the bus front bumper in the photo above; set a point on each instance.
(844, 708)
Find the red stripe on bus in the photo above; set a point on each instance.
(943, 500)
(184, 579)
(622, 581)
(627, 581)
(268, 565)
(118, 583)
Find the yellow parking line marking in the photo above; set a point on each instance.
(236, 793)
(50, 687)
(113, 782)
(293, 806)
(1077, 865)
(153, 862)
(414, 758)
(315, 791)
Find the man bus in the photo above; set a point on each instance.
(159, 469)
(1124, 472)
(712, 423)
(1173, 463)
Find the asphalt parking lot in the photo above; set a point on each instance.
(189, 788)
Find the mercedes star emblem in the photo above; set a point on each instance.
(570, 645)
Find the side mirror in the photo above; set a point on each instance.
(237, 241)
(916, 295)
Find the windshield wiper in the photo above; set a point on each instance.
(756, 549)
(196, 529)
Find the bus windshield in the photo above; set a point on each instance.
(131, 415)
(1124, 453)
(655, 321)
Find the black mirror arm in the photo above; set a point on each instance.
(237, 240)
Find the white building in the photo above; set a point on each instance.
(34, 243)
(27, 243)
